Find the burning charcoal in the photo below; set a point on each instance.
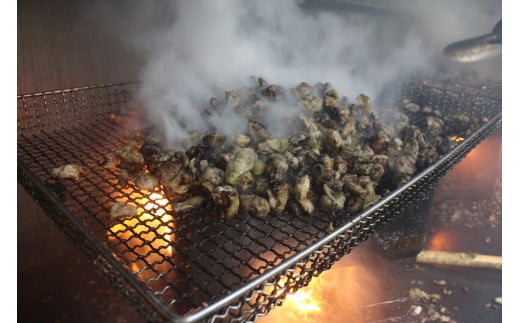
(69, 171)
(121, 209)
(254, 205)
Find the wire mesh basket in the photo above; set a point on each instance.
(185, 268)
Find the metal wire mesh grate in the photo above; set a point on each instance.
(191, 267)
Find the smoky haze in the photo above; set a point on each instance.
(196, 50)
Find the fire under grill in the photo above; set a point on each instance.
(186, 268)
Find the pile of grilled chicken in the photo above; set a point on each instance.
(339, 155)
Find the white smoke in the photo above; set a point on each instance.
(195, 50)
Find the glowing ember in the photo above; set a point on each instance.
(148, 235)
(475, 176)
(442, 241)
(457, 138)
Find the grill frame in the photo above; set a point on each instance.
(259, 295)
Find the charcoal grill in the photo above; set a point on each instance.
(187, 268)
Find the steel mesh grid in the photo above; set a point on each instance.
(271, 293)
(178, 257)
(61, 108)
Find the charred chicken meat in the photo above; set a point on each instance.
(340, 156)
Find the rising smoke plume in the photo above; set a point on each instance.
(195, 50)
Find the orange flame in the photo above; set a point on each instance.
(335, 296)
(442, 240)
(475, 175)
(303, 305)
(304, 300)
(149, 233)
(457, 138)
